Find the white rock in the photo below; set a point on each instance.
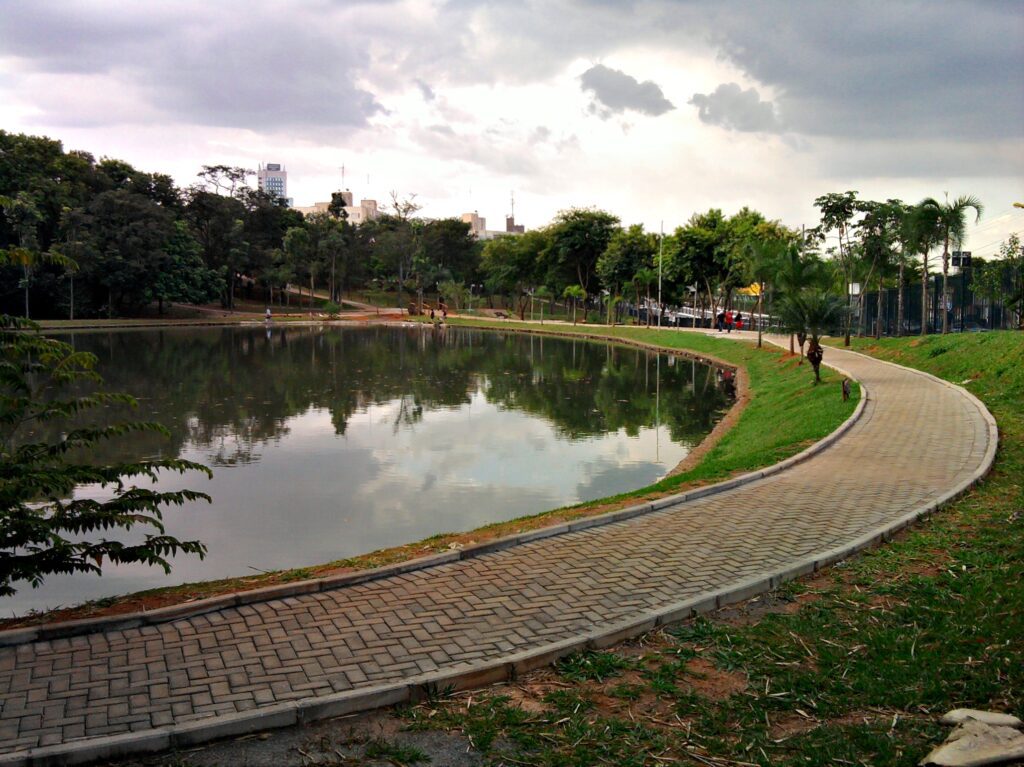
(976, 744)
(994, 718)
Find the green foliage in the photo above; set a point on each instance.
(578, 238)
(593, 665)
(44, 527)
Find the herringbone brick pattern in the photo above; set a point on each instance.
(916, 440)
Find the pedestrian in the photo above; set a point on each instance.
(728, 321)
(720, 320)
(739, 321)
(267, 315)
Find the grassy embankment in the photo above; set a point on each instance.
(784, 414)
(852, 667)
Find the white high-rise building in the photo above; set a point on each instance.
(272, 179)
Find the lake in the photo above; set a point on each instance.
(327, 442)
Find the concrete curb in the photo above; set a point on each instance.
(503, 669)
(66, 629)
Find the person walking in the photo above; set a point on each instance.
(728, 321)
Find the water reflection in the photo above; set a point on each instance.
(331, 442)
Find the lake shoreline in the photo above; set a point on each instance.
(439, 544)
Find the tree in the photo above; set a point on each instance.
(952, 221)
(837, 213)
(878, 231)
(512, 266)
(453, 292)
(576, 294)
(182, 276)
(578, 237)
(1003, 278)
(628, 251)
(643, 279)
(924, 234)
(812, 312)
(224, 179)
(44, 529)
(699, 253)
(24, 218)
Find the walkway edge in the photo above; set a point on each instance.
(67, 629)
(504, 669)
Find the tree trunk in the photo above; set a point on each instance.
(899, 300)
(878, 319)
(815, 354)
(945, 286)
(924, 294)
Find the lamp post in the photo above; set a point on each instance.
(661, 252)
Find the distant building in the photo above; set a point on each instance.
(272, 179)
(365, 211)
(477, 223)
(478, 227)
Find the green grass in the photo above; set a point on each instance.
(879, 648)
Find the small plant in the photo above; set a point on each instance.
(597, 666)
(381, 749)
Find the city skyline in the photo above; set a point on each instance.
(651, 110)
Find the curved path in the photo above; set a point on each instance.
(918, 441)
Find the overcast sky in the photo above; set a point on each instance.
(652, 110)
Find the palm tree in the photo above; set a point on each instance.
(796, 270)
(925, 234)
(577, 294)
(812, 312)
(643, 279)
(952, 220)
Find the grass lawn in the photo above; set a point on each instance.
(852, 667)
(784, 414)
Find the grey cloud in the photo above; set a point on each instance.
(614, 92)
(732, 107)
(203, 64)
(425, 90)
(929, 70)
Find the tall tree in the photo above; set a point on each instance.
(578, 237)
(952, 220)
(628, 251)
(838, 209)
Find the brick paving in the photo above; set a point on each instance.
(916, 440)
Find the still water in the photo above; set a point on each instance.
(331, 442)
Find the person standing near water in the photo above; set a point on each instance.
(267, 315)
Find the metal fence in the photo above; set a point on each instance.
(967, 309)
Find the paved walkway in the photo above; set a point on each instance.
(917, 439)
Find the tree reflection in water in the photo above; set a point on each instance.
(229, 391)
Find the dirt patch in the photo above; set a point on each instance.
(713, 683)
